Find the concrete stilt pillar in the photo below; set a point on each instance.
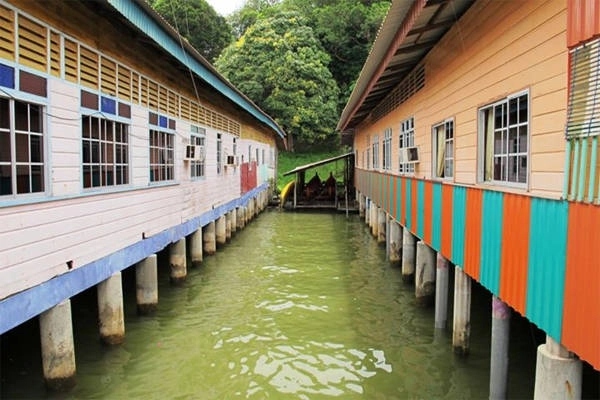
(461, 327)
(196, 248)
(240, 218)
(361, 206)
(425, 275)
(110, 310)
(367, 212)
(409, 252)
(381, 226)
(557, 373)
(249, 212)
(228, 226)
(58, 351)
(375, 221)
(221, 230)
(209, 239)
(395, 246)
(256, 206)
(234, 221)
(146, 284)
(177, 261)
(499, 349)
(441, 292)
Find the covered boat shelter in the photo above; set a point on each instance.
(329, 193)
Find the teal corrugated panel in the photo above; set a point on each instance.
(399, 203)
(138, 17)
(420, 208)
(436, 217)
(391, 204)
(409, 204)
(491, 240)
(547, 263)
(459, 218)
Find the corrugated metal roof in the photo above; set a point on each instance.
(317, 163)
(145, 19)
(408, 33)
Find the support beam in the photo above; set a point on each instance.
(461, 331)
(381, 225)
(196, 248)
(221, 231)
(557, 373)
(441, 292)
(110, 310)
(146, 285)
(424, 275)
(58, 351)
(209, 239)
(499, 349)
(395, 246)
(178, 262)
(409, 242)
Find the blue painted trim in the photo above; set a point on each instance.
(547, 264)
(420, 208)
(7, 76)
(25, 305)
(491, 240)
(459, 219)
(436, 217)
(145, 23)
(108, 105)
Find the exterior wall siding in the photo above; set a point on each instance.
(536, 254)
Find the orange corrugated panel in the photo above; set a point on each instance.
(515, 251)
(447, 193)
(581, 310)
(427, 216)
(583, 21)
(403, 202)
(473, 232)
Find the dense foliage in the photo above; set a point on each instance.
(199, 23)
(280, 64)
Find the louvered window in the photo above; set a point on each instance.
(185, 108)
(135, 88)
(584, 95)
(7, 35)
(173, 103)
(144, 91)
(124, 83)
(71, 60)
(88, 68)
(55, 54)
(32, 44)
(152, 95)
(163, 99)
(108, 72)
(583, 124)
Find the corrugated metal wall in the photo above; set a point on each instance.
(537, 255)
(583, 21)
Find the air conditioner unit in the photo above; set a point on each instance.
(231, 160)
(409, 155)
(194, 153)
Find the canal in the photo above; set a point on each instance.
(297, 306)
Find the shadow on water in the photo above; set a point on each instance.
(297, 306)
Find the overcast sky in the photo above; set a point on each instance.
(226, 7)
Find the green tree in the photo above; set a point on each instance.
(280, 64)
(199, 23)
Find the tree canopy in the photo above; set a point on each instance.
(199, 23)
(279, 63)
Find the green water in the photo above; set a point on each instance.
(297, 306)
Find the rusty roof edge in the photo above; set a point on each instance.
(399, 19)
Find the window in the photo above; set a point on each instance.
(443, 150)
(234, 147)
(198, 138)
(375, 152)
(162, 163)
(368, 158)
(219, 155)
(504, 132)
(387, 148)
(105, 152)
(406, 139)
(257, 159)
(21, 148)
